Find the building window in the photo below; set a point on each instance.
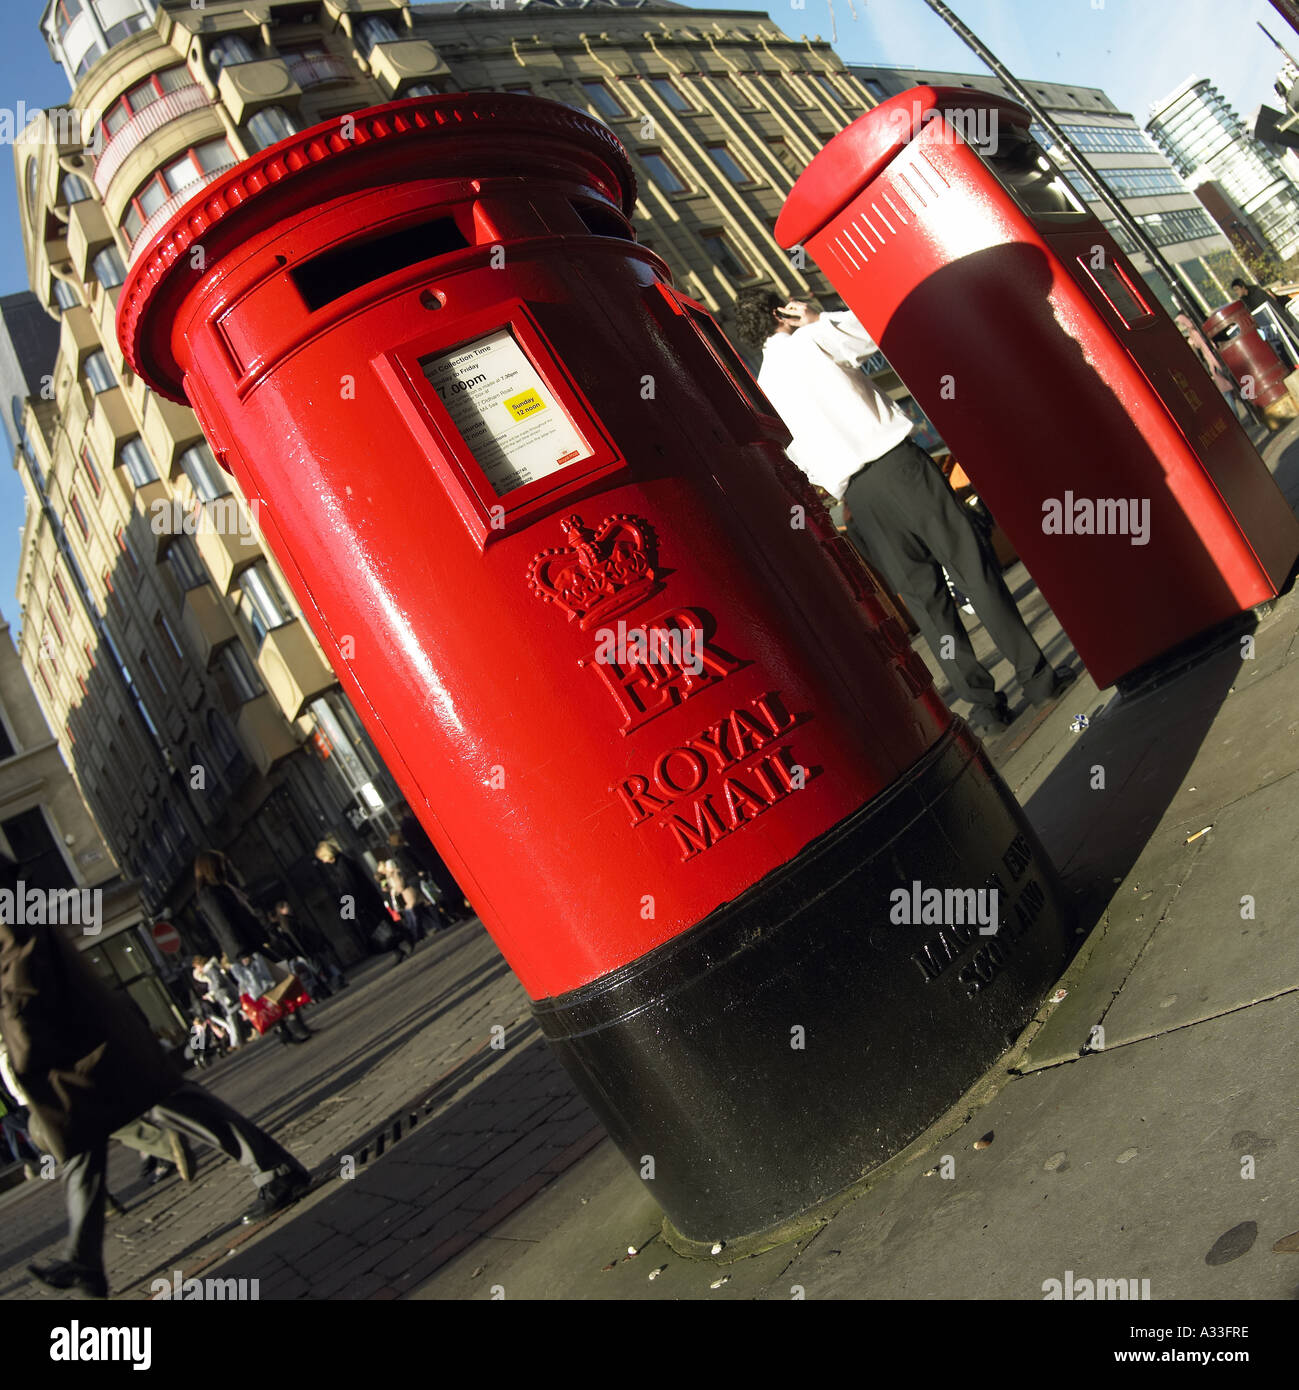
(209, 481)
(62, 592)
(373, 29)
(726, 162)
(128, 550)
(92, 473)
(143, 95)
(261, 601)
(270, 125)
(80, 516)
(1182, 224)
(109, 268)
(75, 189)
(787, 158)
(7, 749)
(603, 99)
(1142, 183)
(1105, 139)
(185, 172)
(98, 373)
(146, 661)
(31, 845)
(64, 295)
(138, 462)
(91, 663)
(111, 600)
(163, 628)
(185, 564)
(228, 51)
(828, 87)
(720, 253)
(742, 94)
(54, 622)
(420, 89)
(130, 24)
(242, 672)
(227, 749)
(671, 96)
(875, 88)
(663, 174)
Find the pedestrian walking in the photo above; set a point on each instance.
(401, 876)
(452, 905)
(255, 979)
(854, 443)
(291, 936)
(230, 917)
(87, 1066)
(360, 900)
(217, 987)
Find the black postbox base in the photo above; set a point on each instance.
(777, 1051)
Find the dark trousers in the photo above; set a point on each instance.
(190, 1110)
(908, 523)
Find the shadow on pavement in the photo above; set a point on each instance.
(1143, 745)
(447, 1181)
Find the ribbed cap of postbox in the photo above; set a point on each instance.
(416, 139)
(856, 155)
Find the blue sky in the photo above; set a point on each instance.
(1137, 50)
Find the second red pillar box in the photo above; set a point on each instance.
(639, 692)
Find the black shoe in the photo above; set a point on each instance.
(282, 1191)
(989, 720)
(64, 1275)
(1062, 678)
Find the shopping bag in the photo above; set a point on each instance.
(261, 1013)
(288, 994)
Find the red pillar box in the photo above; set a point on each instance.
(1120, 475)
(642, 698)
(1248, 355)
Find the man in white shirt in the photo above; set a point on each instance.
(853, 442)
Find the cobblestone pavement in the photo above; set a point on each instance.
(427, 1080)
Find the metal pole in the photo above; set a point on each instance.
(1185, 295)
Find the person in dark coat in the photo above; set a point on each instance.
(88, 1065)
(287, 929)
(360, 903)
(452, 899)
(229, 915)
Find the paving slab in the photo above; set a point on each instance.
(573, 1242)
(1126, 1164)
(1212, 953)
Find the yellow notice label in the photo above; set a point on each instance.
(525, 404)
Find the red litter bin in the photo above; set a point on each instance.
(1121, 477)
(1248, 355)
(642, 697)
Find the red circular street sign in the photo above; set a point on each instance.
(165, 937)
